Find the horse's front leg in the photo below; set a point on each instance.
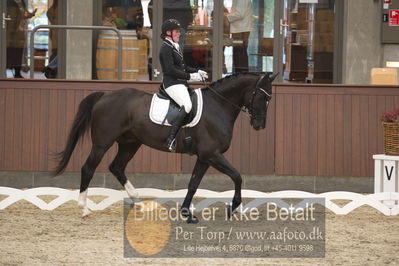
(199, 170)
(219, 162)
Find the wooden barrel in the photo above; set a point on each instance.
(134, 55)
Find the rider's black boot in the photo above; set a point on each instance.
(176, 125)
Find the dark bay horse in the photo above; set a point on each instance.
(122, 116)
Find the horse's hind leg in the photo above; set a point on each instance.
(126, 151)
(87, 171)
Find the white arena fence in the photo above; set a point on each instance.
(386, 202)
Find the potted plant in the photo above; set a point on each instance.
(390, 122)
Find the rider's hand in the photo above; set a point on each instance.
(195, 77)
(203, 74)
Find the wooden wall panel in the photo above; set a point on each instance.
(288, 134)
(35, 120)
(3, 125)
(305, 120)
(321, 134)
(347, 134)
(9, 130)
(279, 140)
(296, 132)
(330, 130)
(312, 139)
(338, 131)
(35, 132)
(27, 127)
(338, 128)
(41, 136)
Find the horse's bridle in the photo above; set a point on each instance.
(248, 110)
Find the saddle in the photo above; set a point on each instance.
(163, 109)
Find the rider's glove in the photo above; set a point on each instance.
(195, 76)
(203, 74)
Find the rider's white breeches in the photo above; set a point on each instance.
(180, 95)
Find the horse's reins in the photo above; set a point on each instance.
(244, 109)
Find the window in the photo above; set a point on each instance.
(135, 28)
(308, 41)
(248, 36)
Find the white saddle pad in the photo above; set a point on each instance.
(159, 109)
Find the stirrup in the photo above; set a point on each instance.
(172, 145)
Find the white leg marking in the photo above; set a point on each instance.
(82, 198)
(130, 190)
(82, 202)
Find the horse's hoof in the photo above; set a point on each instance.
(131, 191)
(86, 213)
(230, 211)
(192, 220)
(86, 217)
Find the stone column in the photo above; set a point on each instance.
(362, 48)
(79, 42)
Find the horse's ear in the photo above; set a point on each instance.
(271, 78)
(263, 80)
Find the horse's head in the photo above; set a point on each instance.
(259, 101)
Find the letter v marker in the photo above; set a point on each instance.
(390, 173)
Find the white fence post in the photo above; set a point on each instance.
(386, 173)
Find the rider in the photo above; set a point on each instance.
(175, 76)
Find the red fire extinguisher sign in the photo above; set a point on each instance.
(394, 17)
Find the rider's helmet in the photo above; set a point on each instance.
(169, 25)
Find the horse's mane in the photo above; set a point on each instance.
(222, 80)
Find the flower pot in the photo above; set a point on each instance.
(391, 138)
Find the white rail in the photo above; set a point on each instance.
(112, 196)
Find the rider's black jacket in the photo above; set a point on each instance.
(175, 71)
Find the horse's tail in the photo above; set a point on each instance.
(80, 125)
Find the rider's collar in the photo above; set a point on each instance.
(175, 44)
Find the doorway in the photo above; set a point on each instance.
(307, 34)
